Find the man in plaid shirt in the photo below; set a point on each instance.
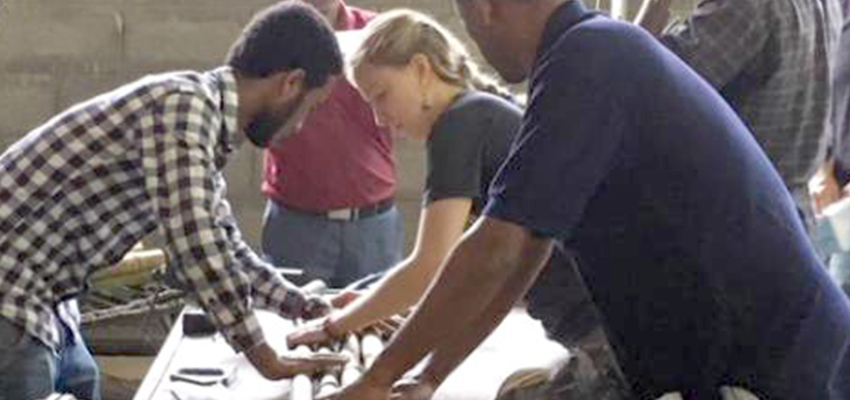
(773, 62)
(78, 192)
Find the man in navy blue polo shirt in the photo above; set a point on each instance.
(686, 236)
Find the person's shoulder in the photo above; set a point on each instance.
(478, 109)
(475, 113)
(601, 35)
(168, 86)
(484, 104)
(597, 52)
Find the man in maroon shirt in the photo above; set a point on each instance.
(330, 188)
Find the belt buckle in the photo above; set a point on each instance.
(344, 214)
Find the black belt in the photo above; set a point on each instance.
(354, 213)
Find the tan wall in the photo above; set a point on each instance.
(54, 53)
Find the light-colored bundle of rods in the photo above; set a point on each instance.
(361, 351)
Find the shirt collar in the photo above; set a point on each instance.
(225, 79)
(563, 18)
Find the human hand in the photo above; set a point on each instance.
(316, 307)
(389, 326)
(824, 189)
(273, 367)
(418, 388)
(362, 389)
(312, 333)
(345, 298)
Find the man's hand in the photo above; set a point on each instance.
(419, 388)
(315, 332)
(345, 298)
(362, 389)
(273, 367)
(824, 189)
(654, 16)
(323, 331)
(316, 307)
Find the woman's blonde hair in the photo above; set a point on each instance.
(394, 37)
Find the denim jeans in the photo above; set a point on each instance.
(30, 370)
(337, 252)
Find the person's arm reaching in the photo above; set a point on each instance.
(180, 175)
(451, 352)
(485, 274)
(269, 289)
(441, 225)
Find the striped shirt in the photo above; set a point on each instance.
(772, 61)
(78, 192)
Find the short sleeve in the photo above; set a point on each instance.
(569, 141)
(455, 154)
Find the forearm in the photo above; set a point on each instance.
(478, 269)
(400, 289)
(451, 352)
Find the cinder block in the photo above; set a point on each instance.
(26, 101)
(249, 217)
(182, 33)
(243, 174)
(410, 167)
(410, 210)
(74, 87)
(39, 33)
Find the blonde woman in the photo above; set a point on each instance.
(420, 81)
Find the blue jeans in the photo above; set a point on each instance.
(30, 370)
(338, 252)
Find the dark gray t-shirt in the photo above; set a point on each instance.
(467, 145)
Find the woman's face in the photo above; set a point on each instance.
(396, 98)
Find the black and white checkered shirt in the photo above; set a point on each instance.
(78, 192)
(772, 60)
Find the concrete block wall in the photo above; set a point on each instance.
(54, 53)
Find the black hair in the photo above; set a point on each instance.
(286, 36)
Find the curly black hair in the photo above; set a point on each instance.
(286, 36)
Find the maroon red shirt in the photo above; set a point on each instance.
(340, 158)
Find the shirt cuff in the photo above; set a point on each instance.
(293, 303)
(245, 333)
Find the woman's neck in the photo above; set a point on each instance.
(443, 95)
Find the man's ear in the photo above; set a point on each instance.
(488, 11)
(290, 83)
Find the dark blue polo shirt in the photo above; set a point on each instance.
(688, 240)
